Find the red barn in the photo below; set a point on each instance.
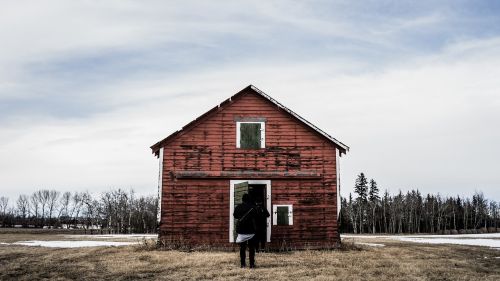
(250, 143)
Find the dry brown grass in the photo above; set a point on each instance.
(396, 261)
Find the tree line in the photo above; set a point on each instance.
(114, 211)
(412, 212)
(119, 211)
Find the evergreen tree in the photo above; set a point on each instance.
(374, 199)
(361, 189)
(373, 193)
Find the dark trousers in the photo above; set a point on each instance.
(251, 251)
(261, 241)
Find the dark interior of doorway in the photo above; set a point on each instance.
(257, 193)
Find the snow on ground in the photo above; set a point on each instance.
(485, 235)
(71, 244)
(78, 241)
(370, 244)
(116, 236)
(486, 240)
(493, 243)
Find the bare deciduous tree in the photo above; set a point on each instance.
(53, 196)
(4, 203)
(64, 205)
(23, 206)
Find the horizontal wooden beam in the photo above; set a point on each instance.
(249, 119)
(248, 174)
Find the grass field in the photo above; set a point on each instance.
(395, 261)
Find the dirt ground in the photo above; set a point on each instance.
(395, 261)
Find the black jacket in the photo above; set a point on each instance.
(261, 218)
(245, 225)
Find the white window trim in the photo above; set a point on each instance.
(160, 185)
(262, 133)
(337, 175)
(231, 205)
(290, 213)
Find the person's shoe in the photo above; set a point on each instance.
(252, 266)
(243, 265)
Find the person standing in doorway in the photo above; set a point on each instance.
(261, 231)
(246, 213)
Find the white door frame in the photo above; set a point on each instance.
(231, 205)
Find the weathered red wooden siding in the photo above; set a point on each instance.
(197, 210)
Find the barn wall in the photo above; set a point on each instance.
(314, 212)
(195, 211)
(198, 209)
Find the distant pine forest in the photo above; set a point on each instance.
(411, 212)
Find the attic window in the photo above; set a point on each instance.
(282, 215)
(250, 135)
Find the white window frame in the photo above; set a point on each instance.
(262, 132)
(290, 213)
(231, 205)
(337, 175)
(160, 185)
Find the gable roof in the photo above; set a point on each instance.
(342, 147)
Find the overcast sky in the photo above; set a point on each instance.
(87, 86)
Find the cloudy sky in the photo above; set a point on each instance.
(412, 87)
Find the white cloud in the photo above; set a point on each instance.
(412, 126)
(426, 121)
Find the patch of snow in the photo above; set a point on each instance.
(72, 244)
(116, 236)
(469, 242)
(485, 240)
(364, 236)
(370, 244)
(484, 235)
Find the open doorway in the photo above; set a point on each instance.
(260, 193)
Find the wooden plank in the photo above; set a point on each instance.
(248, 174)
